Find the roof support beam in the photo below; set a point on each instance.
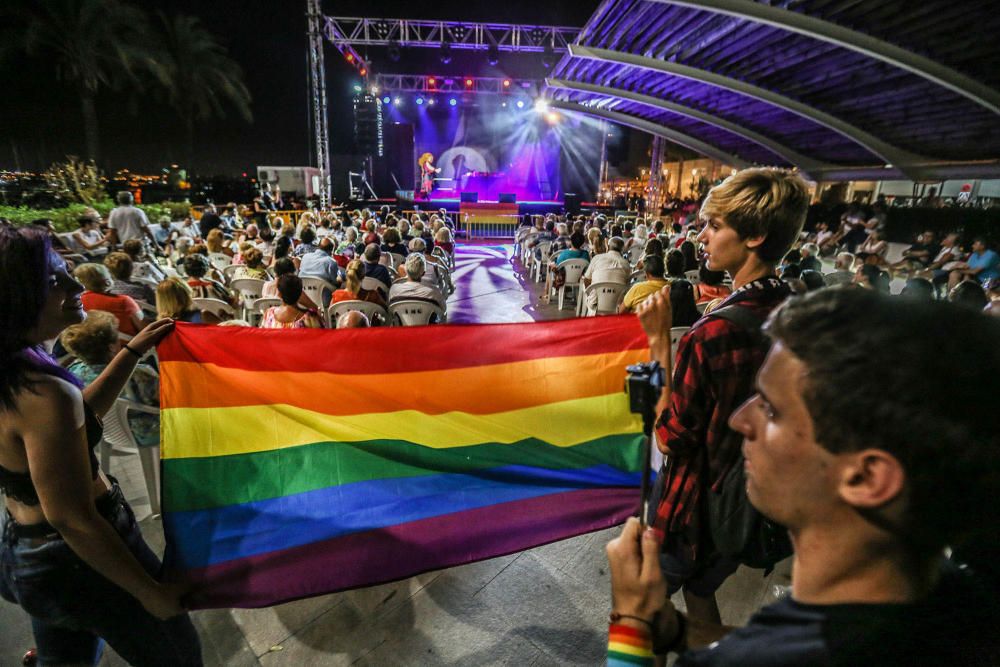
(853, 40)
(804, 163)
(644, 125)
(887, 152)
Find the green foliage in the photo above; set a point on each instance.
(76, 181)
(65, 219)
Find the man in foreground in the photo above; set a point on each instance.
(878, 458)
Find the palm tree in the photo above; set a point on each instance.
(197, 74)
(94, 44)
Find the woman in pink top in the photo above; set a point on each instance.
(289, 315)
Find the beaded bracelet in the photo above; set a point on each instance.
(132, 350)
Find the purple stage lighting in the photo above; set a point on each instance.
(453, 101)
(520, 104)
(386, 100)
(420, 101)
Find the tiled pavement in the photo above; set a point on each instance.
(544, 606)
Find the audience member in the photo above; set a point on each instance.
(253, 265)
(373, 269)
(970, 294)
(918, 288)
(120, 266)
(320, 264)
(196, 268)
(353, 291)
(307, 238)
(675, 265)
(289, 315)
(413, 288)
(654, 282)
(88, 239)
(353, 319)
(682, 305)
(843, 273)
(877, 482)
(710, 285)
(142, 265)
(127, 223)
(813, 280)
(175, 300)
(982, 264)
(97, 280)
(93, 579)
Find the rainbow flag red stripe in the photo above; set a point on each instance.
(297, 463)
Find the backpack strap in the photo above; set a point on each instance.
(744, 318)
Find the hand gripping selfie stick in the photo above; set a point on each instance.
(644, 386)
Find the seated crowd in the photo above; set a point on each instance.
(794, 384)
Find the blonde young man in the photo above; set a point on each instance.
(750, 221)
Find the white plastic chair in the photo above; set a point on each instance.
(314, 288)
(216, 306)
(376, 313)
(692, 276)
(260, 306)
(676, 333)
(397, 259)
(220, 260)
(636, 277)
(635, 253)
(228, 271)
(609, 295)
(540, 266)
(410, 313)
(249, 289)
(372, 284)
(573, 269)
(118, 437)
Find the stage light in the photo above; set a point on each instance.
(493, 54)
(503, 104)
(386, 100)
(363, 72)
(420, 101)
(468, 83)
(552, 117)
(357, 88)
(453, 101)
(431, 82)
(541, 106)
(430, 102)
(506, 83)
(520, 104)
(350, 57)
(398, 101)
(374, 90)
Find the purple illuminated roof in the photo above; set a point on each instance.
(925, 97)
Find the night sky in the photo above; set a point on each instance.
(40, 119)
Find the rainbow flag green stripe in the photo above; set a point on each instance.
(217, 481)
(303, 462)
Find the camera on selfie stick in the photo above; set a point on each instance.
(644, 385)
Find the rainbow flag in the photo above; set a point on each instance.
(297, 463)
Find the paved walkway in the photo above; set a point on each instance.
(544, 606)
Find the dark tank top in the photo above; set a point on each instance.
(18, 485)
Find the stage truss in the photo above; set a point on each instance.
(450, 85)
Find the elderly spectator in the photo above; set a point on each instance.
(284, 267)
(196, 266)
(443, 239)
(95, 343)
(165, 234)
(216, 243)
(353, 319)
(843, 273)
(874, 248)
(289, 315)
(414, 287)
(209, 221)
(321, 264)
(610, 266)
(120, 266)
(353, 291)
(373, 269)
(809, 257)
(98, 282)
(253, 265)
(654, 282)
(392, 243)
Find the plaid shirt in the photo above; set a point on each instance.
(714, 374)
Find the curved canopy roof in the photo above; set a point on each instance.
(841, 89)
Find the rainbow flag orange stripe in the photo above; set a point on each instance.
(298, 463)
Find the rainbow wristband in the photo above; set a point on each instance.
(629, 646)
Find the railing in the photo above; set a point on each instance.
(493, 227)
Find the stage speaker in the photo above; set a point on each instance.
(571, 202)
(507, 198)
(469, 197)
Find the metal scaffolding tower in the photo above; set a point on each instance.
(346, 31)
(317, 90)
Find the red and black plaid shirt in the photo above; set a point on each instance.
(714, 374)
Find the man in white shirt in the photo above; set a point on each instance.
(413, 288)
(610, 267)
(128, 222)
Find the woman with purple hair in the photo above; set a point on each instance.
(72, 555)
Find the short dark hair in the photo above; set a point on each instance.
(814, 280)
(577, 240)
(918, 288)
(307, 235)
(284, 266)
(653, 265)
(970, 294)
(940, 427)
(290, 288)
(791, 272)
(710, 277)
(196, 265)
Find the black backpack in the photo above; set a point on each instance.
(737, 529)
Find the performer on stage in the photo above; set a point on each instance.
(427, 171)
